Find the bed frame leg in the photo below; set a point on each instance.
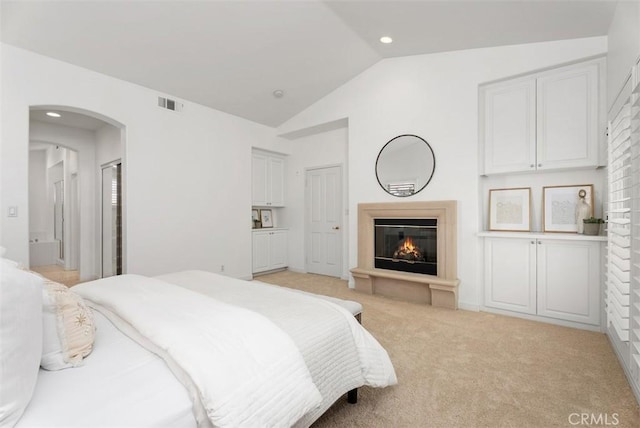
(352, 396)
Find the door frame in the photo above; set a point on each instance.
(74, 222)
(344, 217)
(101, 214)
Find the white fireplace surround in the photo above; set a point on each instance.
(440, 290)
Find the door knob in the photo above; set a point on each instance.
(336, 227)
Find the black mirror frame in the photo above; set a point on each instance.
(428, 180)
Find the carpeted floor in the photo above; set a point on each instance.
(475, 369)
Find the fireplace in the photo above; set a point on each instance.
(390, 235)
(406, 245)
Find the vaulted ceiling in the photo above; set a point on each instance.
(232, 55)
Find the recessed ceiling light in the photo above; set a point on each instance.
(386, 40)
(53, 114)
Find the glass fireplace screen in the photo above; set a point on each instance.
(408, 245)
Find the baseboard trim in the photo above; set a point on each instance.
(538, 318)
(266, 272)
(469, 307)
(634, 387)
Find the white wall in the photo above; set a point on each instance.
(435, 97)
(623, 46)
(318, 150)
(109, 145)
(182, 211)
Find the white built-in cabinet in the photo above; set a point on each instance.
(548, 120)
(543, 276)
(267, 179)
(269, 250)
(269, 245)
(545, 128)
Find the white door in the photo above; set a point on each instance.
(510, 274)
(323, 227)
(75, 223)
(58, 227)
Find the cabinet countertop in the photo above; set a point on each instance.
(542, 235)
(266, 229)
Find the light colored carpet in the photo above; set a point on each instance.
(475, 369)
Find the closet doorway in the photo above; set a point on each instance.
(112, 219)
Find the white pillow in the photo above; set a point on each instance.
(20, 339)
(68, 327)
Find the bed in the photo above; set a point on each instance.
(194, 349)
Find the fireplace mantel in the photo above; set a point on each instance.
(440, 290)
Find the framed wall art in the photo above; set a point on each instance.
(560, 206)
(255, 218)
(510, 209)
(266, 218)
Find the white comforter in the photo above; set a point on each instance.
(247, 371)
(339, 352)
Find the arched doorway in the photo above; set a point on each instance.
(82, 142)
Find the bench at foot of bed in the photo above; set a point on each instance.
(352, 396)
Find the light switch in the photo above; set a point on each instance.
(13, 211)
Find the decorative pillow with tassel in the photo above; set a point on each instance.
(68, 327)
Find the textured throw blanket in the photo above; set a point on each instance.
(340, 354)
(245, 371)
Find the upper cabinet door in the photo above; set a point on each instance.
(267, 179)
(509, 119)
(568, 118)
(549, 120)
(259, 180)
(276, 169)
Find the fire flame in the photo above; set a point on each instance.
(408, 251)
(407, 246)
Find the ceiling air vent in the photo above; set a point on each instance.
(169, 104)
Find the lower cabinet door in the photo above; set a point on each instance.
(510, 274)
(568, 280)
(261, 244)
(278, 250)
(269, 250)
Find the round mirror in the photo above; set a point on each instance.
(405, 165)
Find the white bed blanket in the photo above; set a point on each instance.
(339, 352)
(248, 372)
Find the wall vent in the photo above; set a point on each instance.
(169, 104)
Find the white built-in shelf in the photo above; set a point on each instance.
(268, 229)
(541, 235)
